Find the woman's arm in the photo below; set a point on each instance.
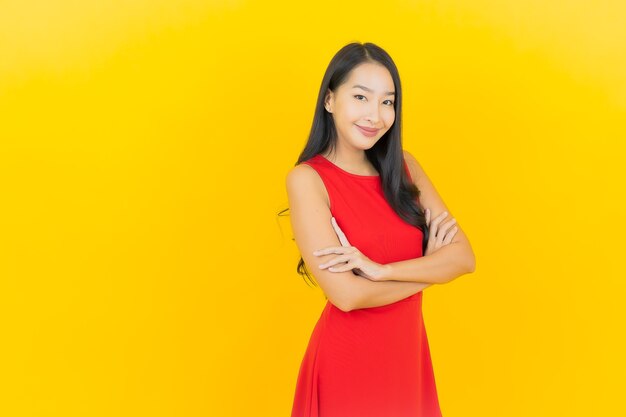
(380, 293)
(449, 261)
(444, 265)
(310, 219)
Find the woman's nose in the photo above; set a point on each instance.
(373, 114)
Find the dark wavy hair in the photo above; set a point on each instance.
(386, 155)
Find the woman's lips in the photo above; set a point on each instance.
(368, 132)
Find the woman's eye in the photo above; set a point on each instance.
(360, 95)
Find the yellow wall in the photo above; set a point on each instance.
(144, 146)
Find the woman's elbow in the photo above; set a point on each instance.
(344, 293)
(344, 305)
(346, 308)
(467, 261)
(468, 267)
(463, 268)
(471, 267)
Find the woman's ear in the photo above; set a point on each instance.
(328, 101)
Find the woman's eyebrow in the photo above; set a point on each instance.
(389, 93)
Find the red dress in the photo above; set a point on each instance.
(369, 362)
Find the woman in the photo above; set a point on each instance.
(360, 208)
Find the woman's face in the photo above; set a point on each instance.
(366, 99)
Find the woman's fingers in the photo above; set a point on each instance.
(434, 227)
(440, 233)
(341, 268)
(443, 232)
(443, 229)
(342, 236)
(330, 249)
(336, 260)
(450, 235)
(437, 220)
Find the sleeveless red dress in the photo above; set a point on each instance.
(369, 362)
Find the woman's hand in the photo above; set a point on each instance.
(439, 234)
(350, 258)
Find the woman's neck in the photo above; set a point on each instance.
(355, 162)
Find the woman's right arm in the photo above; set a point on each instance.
(310, 220)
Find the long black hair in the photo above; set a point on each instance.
(386, 155)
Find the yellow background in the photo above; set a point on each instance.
(144, 146)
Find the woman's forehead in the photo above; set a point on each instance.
(371, 78)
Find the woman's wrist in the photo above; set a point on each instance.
(386, 272)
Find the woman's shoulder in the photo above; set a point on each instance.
(414, 166)
(303, 173)
(304, 182)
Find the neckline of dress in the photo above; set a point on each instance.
(367, 177)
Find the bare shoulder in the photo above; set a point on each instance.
(431, 199)
(310, 218)
(414, 166)
(303, 182)
(429, 195)
(301, 174)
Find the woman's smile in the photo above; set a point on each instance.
(367, 131)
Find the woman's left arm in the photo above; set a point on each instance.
(446, 263)
(440, 265)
